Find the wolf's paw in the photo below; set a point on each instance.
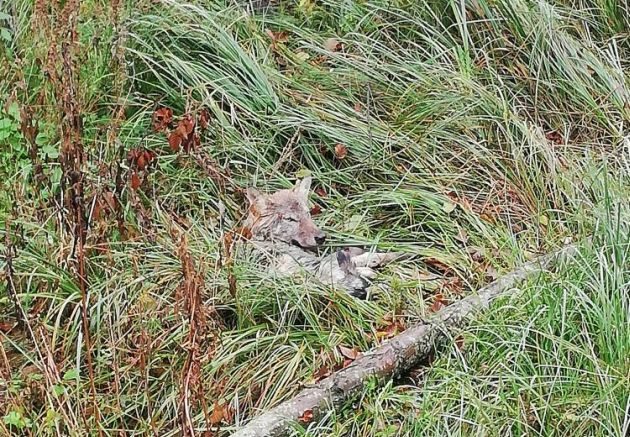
(377, 259)
(366, 272)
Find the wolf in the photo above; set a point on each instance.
(282, 228)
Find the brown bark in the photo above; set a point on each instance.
(393, 358)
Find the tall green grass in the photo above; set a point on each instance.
(552, 359)
(478, 134)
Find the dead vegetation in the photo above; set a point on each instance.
(131, 132)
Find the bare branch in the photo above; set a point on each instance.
(394, 357)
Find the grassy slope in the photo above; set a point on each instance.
(476, 137)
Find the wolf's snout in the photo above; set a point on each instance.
(320, 239)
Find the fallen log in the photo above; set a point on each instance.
(394, 357)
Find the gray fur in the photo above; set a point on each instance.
(283, 230)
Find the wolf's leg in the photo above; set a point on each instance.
(366, 272)
(376, 259)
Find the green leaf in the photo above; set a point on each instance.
(58, 390)
(56, 175)
(14, 111)
(51, 151)
(51, 418)
(5, 34)
(306, 6)
(41, 139)
(35, 376)
(448, 207)
(302, 173)
(15, 418)
(6, 124)
(544, 220)
(71, 375)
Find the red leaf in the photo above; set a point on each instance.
(315, 210)
(320, 192)
(141, 162)
(277, 37)
(459, 342)
(391, 330)
(148, 157)
(188, 123)
(132, 155)
(438, 303)
(192, 142)
(453, 284)
(351, 354)
(341, 151)
(437, 264)
(175, 140)
(321, 373)
(554, 137)
(181, 130)
(140, 158)
(204, 118)
(332, 45)
(162, 118)
(217, 413)
(135, 181)
(97, 210)
(306, 417)
(6, 326)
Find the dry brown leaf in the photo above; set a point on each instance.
(162, 118)
(453, 284)
(315, 210)
(438, 265)
(5, 327)
(188, 123)
(277, 37)
(38, 306)
(321, 373)
(459, 342)
(135, 181)
(438, 303)
(306, 417)
(391, 330)
(491, 273)
(332, 45)
(175, 140)
(204, 118)
(554, 137)
(217, 413)
(351, 354)
(341, 151)
(476, 253)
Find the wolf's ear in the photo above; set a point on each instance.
(303, 186)
(252, 195)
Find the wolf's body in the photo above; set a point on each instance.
(283, 231)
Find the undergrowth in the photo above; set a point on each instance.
(474, 135)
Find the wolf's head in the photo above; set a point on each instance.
(284, 216)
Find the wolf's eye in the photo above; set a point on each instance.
(290, 219)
